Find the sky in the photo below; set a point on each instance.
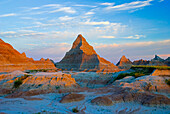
(47, 28)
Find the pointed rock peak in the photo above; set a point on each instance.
(158, 58)
(123, 57)
(80, 40)
(47, 59)
(23, 54)
(81, 44)
(42, 59)
(1, 41)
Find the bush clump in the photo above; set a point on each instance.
(167, 81)
(17, 83)
(75, 110)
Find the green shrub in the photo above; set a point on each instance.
(57, 87)
(167, 81)
(138, 74)
(121, 76)
(75, 110)
(17, 83)
(154, 67)
(135, 74)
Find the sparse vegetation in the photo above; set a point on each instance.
(38, 70)
(57, 87)
(167, 81)
(75, 110)
(135, 74)
(17, 83)
(154, 67)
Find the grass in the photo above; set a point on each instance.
(154, 67)
(75, 110)
(167, 81)
(134, 74)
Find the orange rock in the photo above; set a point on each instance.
(124, 63)
(11, 59)
(82, 57)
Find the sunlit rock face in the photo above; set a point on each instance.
(11, 59)
(124, 63)
(83, 57)
(38, 81)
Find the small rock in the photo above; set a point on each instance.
(102, 101)
(72, 98)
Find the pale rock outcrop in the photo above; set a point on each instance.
(38, 81)
(82, 57)
(145, 83)
(158, 72)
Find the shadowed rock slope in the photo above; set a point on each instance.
(11, 59)
(82, 57)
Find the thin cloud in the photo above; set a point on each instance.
(107, 4)
(81, 5)
(161, 0)
(65, 18)
(130, 6)
(8, 15)
(134, 37)
(107, 37)
(64, 9)
(89, 13)
(88, 22)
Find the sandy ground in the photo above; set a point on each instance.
(50, 103)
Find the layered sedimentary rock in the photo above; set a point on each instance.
(156, 61)
(82, 57)
(11, 59)
(124, 63)
(141, 62)
(38, 81)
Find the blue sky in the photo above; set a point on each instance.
(47, 28)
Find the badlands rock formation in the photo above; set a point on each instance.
(82, 57)
(35, 83)
(141, 62)
(124, 63)
(158, 72)
(156, 61)
(11, 59)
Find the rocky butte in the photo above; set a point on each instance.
(82, 57)
(124, 63)
(11, 59)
